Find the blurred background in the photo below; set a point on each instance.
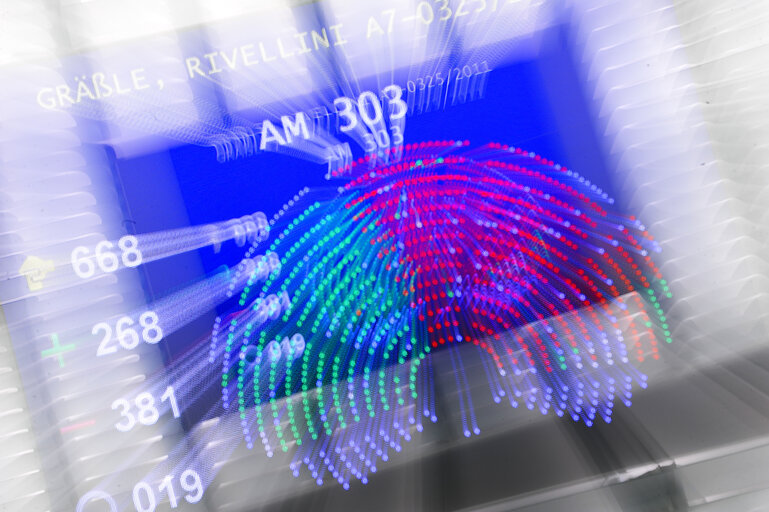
(141, 119)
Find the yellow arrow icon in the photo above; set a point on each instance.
(35, 269)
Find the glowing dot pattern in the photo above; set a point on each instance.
(495, 249)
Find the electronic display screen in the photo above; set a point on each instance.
(402, 255)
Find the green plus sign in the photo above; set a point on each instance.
(57, 349)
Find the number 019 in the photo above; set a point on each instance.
(145, 500)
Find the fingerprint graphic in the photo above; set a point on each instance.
(494, 248)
